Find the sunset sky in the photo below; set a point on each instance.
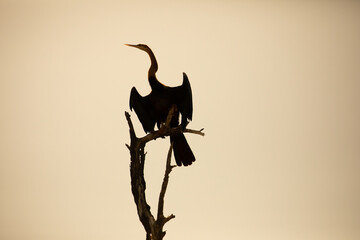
(275, 85)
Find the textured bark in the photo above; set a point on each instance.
(153, 227)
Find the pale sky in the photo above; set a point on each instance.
(275, 85)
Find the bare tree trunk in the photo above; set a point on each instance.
(153, 227)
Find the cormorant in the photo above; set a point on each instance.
(155, 107)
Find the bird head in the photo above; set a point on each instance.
(139, 46)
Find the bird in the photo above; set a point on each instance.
(153, 108)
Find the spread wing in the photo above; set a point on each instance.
(183, 98)
(143, 109)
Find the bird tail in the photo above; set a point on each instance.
(182, 151)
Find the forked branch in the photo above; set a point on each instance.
(153, 227)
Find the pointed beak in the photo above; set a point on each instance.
(130, 45)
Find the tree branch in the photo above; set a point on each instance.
(168, 169)
(153, 228)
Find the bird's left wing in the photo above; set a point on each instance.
(143, 109)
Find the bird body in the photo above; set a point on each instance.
(153, 108)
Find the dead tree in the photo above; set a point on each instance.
(153, 227)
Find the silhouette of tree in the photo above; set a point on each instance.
(153, 227)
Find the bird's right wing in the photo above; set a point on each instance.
(188, 104)
(142, 109)
(184, 100)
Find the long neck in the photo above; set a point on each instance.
(154, 66)
(154, 83)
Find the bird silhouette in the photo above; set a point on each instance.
(153, 108)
